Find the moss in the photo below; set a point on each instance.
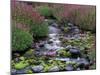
(22, 58)
(29, 72)
(21, 65)
(29, 53)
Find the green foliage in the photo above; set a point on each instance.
(44, 11)
(22, 58)
(63, 53)
(85, 43)
(29, 72)
(21, 65)
(21, 40)
(39, 30)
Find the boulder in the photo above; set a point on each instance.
(74, 51)
(69, 68)
(38, 68)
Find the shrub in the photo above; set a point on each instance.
(27, 15)
(21, 40)
(44, 11)
(39, 30)
(83, 16)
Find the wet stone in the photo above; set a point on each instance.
(69, 68)
(75, 51)
(21, 71)
(82, 62)
(54, 24)
(78, 69)
(54, 69)
(41, 45)
(37, 68)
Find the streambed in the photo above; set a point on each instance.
(58, 52)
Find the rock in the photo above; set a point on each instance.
(74, 51)
(77, 36)
(82, 63)
(37, 53)
(41, 45)
(63, 59)
(69, 47)
(13, 72)
(21, 71)
(17, 59)
(53, 29)
(50, 53)
(69, 68)
(16, 54)
(54, 69)
(70, 24)
(76, 30)
(37, 68)
(51, 47)
(54, 24)
(78, 69)
(50, 42)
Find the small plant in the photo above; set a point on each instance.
(44, 11)
(39, 30)
(21, 40)
(21, 65)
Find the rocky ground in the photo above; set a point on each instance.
(65, 49)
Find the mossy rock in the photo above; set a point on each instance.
(29, 53)
(65, 29)
(63, 53)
